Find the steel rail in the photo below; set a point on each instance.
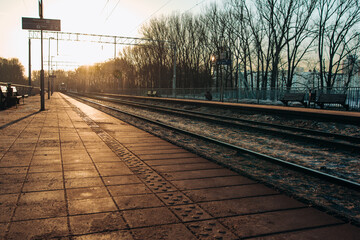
(241, 123)
(315, 173)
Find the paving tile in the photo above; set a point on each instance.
(223, 193)
(3, 228)
(46, 162)
(191, 212)
(40, 210)
(171, 232)
(47, 152)
(273, 222)
(81, 174)
(168, 156)
(29, 146)
(137, 201)
(189, 184)
(47, 176)
(149, 217)
(344, 232)
(115, 172)
(6, 212)
(6, 188)
(46, 185)
(121, 234)
(43, 196)
(48, 143)
(186, 167)
(233, 207)
(140, 153)
(87, 193)
(76, 159)
(12, 178)
(18, 155)
(83, 182)
(95, 205)
(199, 174)
(44, 156)
(164, 162)
(13, 170)
(174, 198)
(104, 157)
(39, 229)
(81, 166)
(14, 162)
(46, 168)
(119, 180)
(210, 229)
(130, 189)
(152, 147)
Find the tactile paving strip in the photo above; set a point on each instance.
(210, 229)
(179, 203)
(153, 180)
(192, 212)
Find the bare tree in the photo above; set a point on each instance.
(283, 25)
(337, 36)
(298, 38)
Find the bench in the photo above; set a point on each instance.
(10, 99)
(152, 93)
(327, 98)
(2, 97)
(293, 97)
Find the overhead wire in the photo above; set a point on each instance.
(107, 1)
(112, 10)
(151, 15)
(199, 3)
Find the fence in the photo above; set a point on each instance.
(270, 97)
(24, 89)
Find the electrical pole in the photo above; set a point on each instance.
(42, 83)
(174, 73)
(49, 69)
(29, 62)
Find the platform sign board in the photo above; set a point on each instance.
(224, 62)
(41, 24)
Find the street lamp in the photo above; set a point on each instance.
(52, 75)
(49, 69)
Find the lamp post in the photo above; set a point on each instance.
(49, 69)
(42, 84)
(52, 75)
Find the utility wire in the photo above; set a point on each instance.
(199, 3)
(151, 15)
(112, 10)
(107, 1)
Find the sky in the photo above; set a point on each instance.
(108, 17)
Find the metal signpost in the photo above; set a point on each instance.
(41, 24)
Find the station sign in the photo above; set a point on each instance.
(224, 62)
(41, 24)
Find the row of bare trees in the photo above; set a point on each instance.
(268, 40)
(11, 70)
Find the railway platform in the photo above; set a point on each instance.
(73, 172)
(350, 117)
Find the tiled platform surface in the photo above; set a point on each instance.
(73, 172)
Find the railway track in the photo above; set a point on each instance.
(341, 142)
(210, 117)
